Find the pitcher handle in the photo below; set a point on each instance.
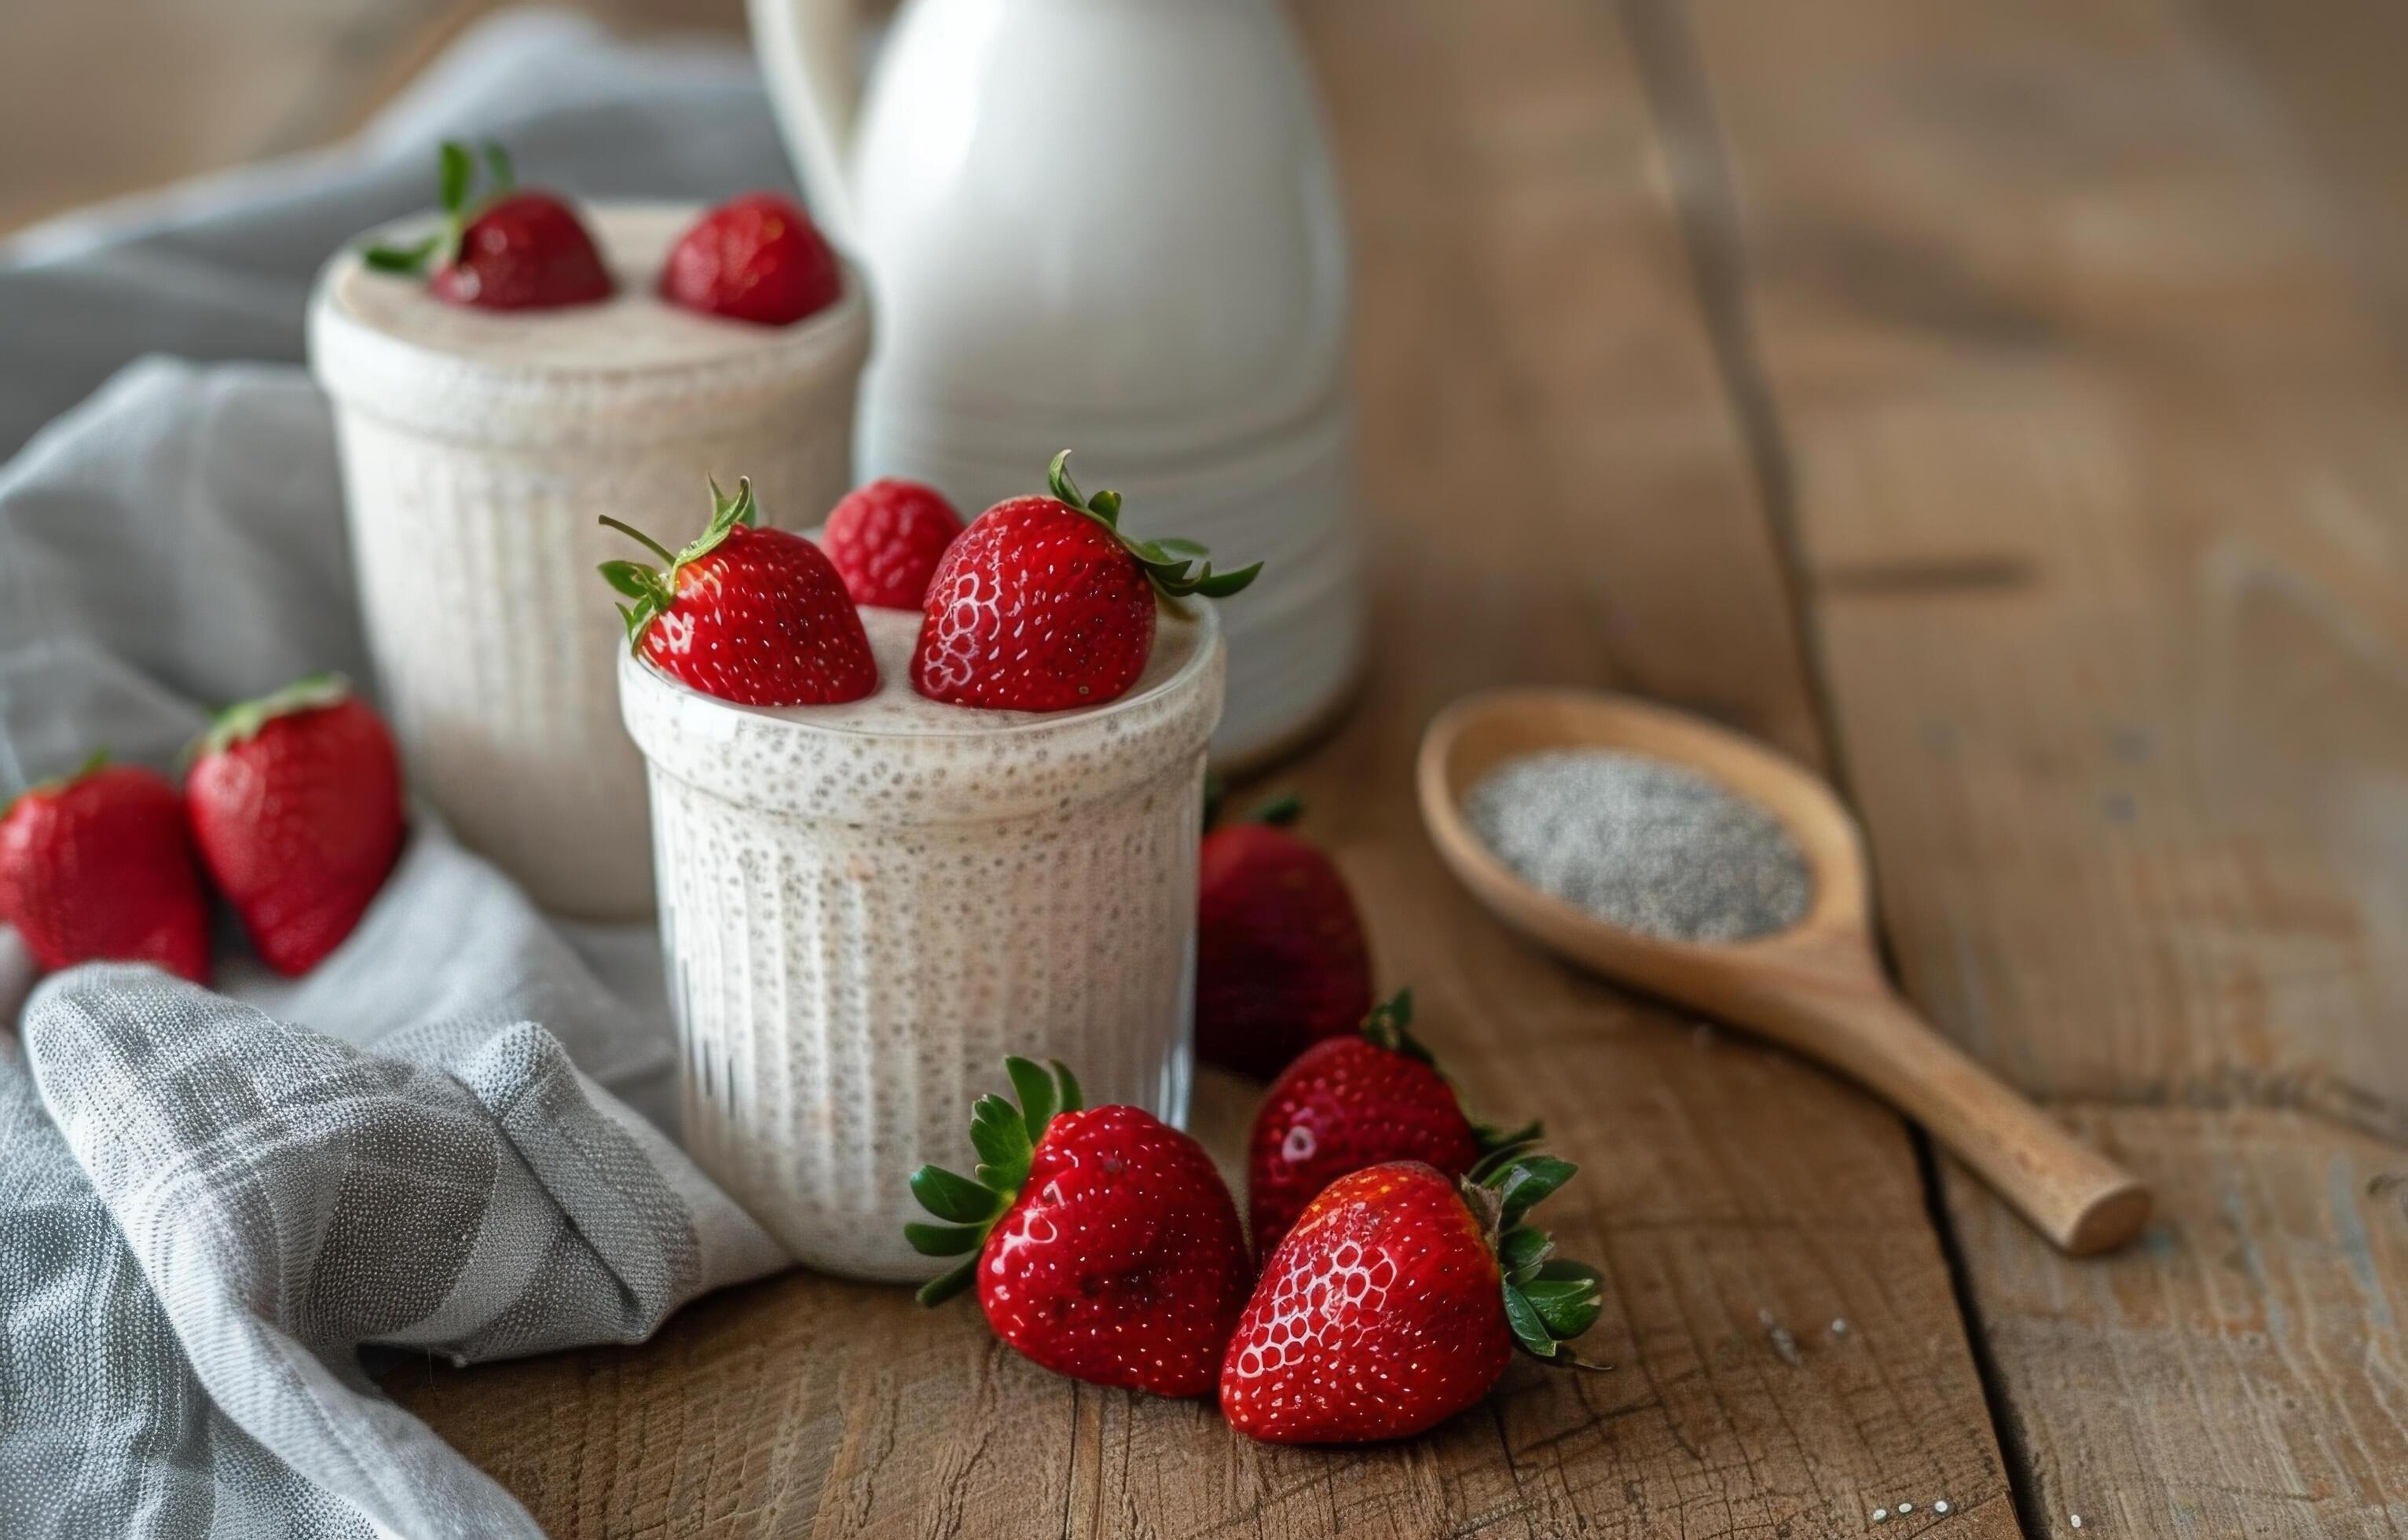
(808, 50)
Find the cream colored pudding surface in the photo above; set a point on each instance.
(478, 449)
(864, 907)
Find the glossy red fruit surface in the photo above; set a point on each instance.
(1102, 1244)
(1381, 1314)
(886, 540)
(1044, 604)
(1122, 1261)
(1281, 960)
(756, 616)
(757, 258)
(1345, 1105)
(99, 867)
(1034, 608)
(526, 251)
(297, 808)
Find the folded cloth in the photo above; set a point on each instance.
(442, 1140)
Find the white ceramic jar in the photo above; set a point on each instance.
(478, 449)
(864, 907)
(1110, 226)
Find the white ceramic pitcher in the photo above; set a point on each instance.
(1111, 225)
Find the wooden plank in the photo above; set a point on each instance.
(1558, 493)
(2097, 463)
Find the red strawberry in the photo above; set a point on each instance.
(887, 538)
(756, 616)
(1109, 1252)
(1397, 1302)
(296, 807)
(1348, 1102)
(1281, 963)
(1044, 604)
(757, 258)
(99, 866)
(513, 251)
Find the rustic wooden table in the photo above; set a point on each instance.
(1997, 403)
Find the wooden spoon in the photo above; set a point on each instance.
(1816, 988)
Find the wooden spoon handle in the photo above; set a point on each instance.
(2083, 1202)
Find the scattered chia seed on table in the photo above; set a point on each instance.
(1643, 845)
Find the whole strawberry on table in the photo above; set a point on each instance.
(1281, 959)
(1103, 1246)
(1101, 1240)
(1372, 1096)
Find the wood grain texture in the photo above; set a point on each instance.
(2093, 440)
(1559, 493)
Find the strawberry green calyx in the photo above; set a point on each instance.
(654, 590)
(241, 722)
(94, 763)
(459, 177)
(1548, 1300)
(1006, 1139)
(1177, 567)
(1386, 1028)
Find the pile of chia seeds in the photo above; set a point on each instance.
(1643, 845)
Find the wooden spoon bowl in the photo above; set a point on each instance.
(1816, 987)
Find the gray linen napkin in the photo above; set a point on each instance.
(211, 1202)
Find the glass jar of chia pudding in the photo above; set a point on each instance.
(478, 447)
(864, 907)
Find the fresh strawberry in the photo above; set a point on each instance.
(1348, 1102)
(1281, 963)
(1044, 604)
(98, 866)
(1102, 1242)
(757, 258)
(513, 251)
(887, 538)
(296, 807)
(1397, 1302)
(756, 616)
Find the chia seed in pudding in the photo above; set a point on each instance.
(1643, 845)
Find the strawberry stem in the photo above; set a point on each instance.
(650, 544)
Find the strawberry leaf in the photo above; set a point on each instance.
(1385, 1027)
(1073, 1098)
(1568, 1296)
(1529, 1327)
(1171, 565)
(405, 260)
(498, 166)
(1001, 1140)
(942, 1240)
(1526, 1181)
(1035, 1088)
(947, 1284)
(1279, 811)
(242, 721)
(459, 171)
(1521, 1251)
(949, 1196)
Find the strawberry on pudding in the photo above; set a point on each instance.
(866, 903)
(491, 399)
